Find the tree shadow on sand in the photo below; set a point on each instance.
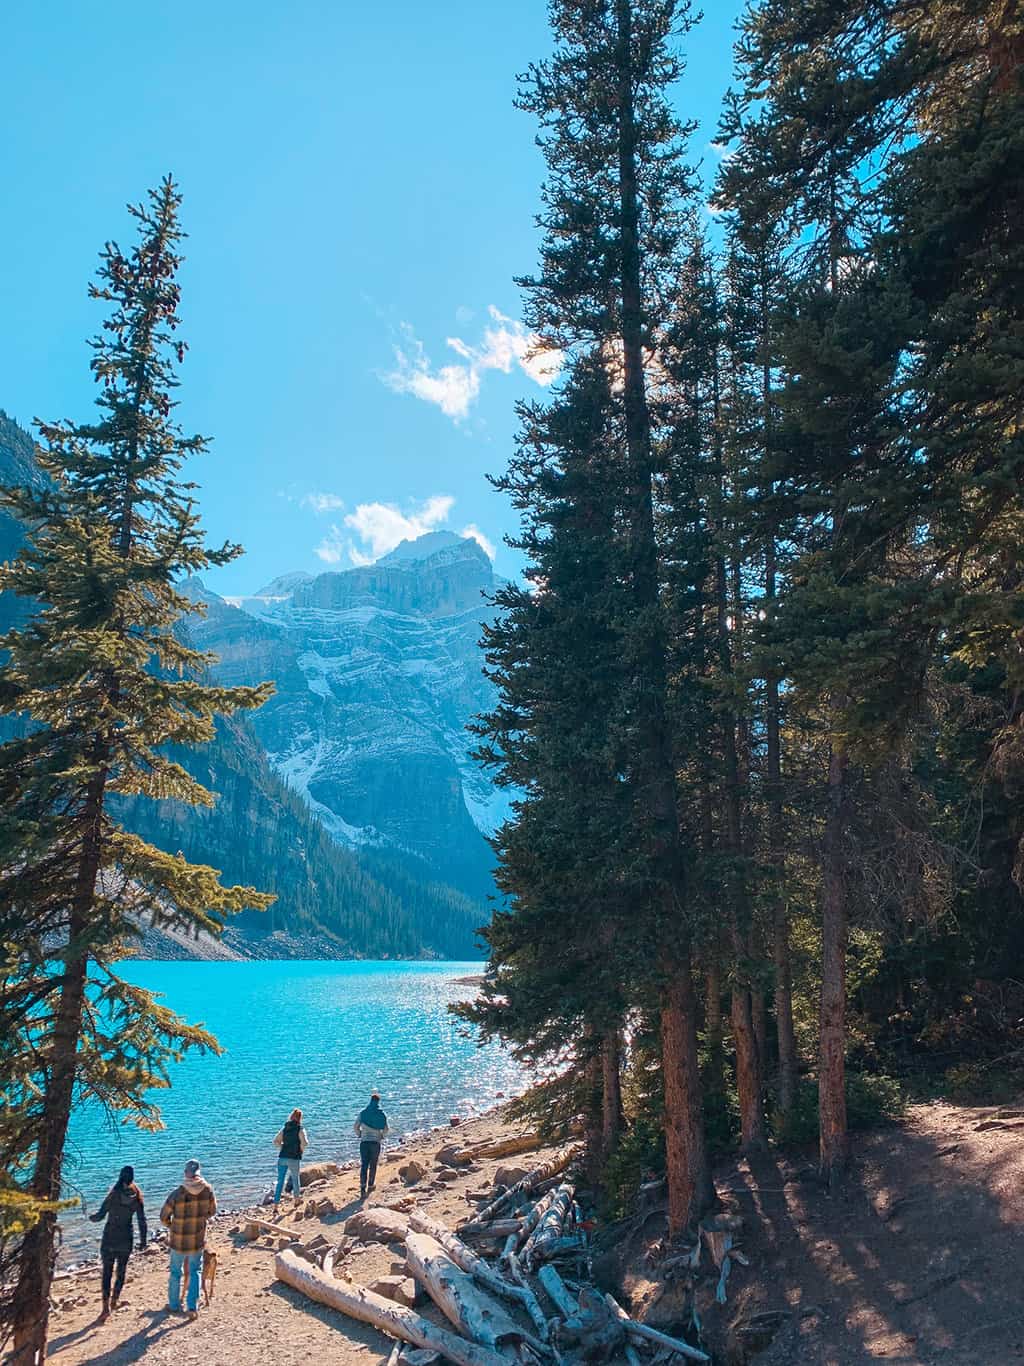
(160, 1323)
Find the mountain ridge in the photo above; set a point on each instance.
(344, 889)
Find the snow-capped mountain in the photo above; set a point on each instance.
(378, 670)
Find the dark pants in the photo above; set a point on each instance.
(369, 1156)
(109, 1260)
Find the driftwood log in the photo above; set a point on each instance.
(641, 1330)
(497, 1228)
(558, 1292)
(468, 1261)
(389, 1317)
(535, 1215)
(267, 1227)
(473, 1312)
(548, 1232)
(551, 1167)
(503, 1147)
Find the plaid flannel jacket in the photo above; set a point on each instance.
(185, 1215)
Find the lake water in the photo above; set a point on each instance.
(318, 1035)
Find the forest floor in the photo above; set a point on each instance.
(917, 1262)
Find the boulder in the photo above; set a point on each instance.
(510, 1175)
(325, 1207)
(377, 1225)
(452, 1155)
(412, 1172)
(316, 1171)
(448, 1174)
(455, 1121)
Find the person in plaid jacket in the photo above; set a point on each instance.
(185, 1213)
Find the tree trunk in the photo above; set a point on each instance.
(773, 790)
(758, 1016)
(748, 1068)
(834, 1143)
(690, 1192)
(593, 1113)
(611, 1093)
(688, 1180)
(37, 1254)
(714, 1032)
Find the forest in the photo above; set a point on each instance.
(761, 692)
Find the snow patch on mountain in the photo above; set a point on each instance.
(377, 671)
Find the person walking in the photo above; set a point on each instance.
(292, 1142)
(185, 1212)
(122, 1203)
(371, 1127)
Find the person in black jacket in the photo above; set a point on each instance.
(292, 1142)
(123, 1203)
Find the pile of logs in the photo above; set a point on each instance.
(493, 1311)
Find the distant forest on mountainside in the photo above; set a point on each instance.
(380, 902)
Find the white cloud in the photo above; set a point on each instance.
(322, 502)
(477, 535)
(381, 526)
(455, 388)
(375, 528)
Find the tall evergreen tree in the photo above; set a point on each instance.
(107, 684)
(614, 204)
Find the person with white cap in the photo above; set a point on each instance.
(185, 1213)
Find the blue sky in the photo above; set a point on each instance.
(359, 193)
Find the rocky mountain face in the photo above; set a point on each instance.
(378, 671)
(351, 794)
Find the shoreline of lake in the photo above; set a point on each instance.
(320, 1034)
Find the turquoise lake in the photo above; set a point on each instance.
(316, 1035)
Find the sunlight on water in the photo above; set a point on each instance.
(318, 1035)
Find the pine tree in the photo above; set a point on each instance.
(614, 205)
(107, 684)
(557, 984)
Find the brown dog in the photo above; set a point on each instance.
(209, 1274)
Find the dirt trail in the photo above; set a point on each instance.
(918, 1262)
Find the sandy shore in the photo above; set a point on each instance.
(254, 1318)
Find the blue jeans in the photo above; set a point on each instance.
(191, 1263)
(284, 1166)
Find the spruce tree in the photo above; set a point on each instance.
(614, 204)
(557, 983)
(106, 683)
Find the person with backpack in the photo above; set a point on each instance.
(292, 1142)
(185, 1212)
(122, 1203)
(371, 1128)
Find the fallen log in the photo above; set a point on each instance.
(535, 1215)
(268, 1227)
(497, 1228)
(505, 1147)
(548, 1231)
(641, 1330)
(551, 1167)
(468, 1261)
(389, 1317)
(530, 1301)
(558, 1292)
(472, 1311)
(595, 1333)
